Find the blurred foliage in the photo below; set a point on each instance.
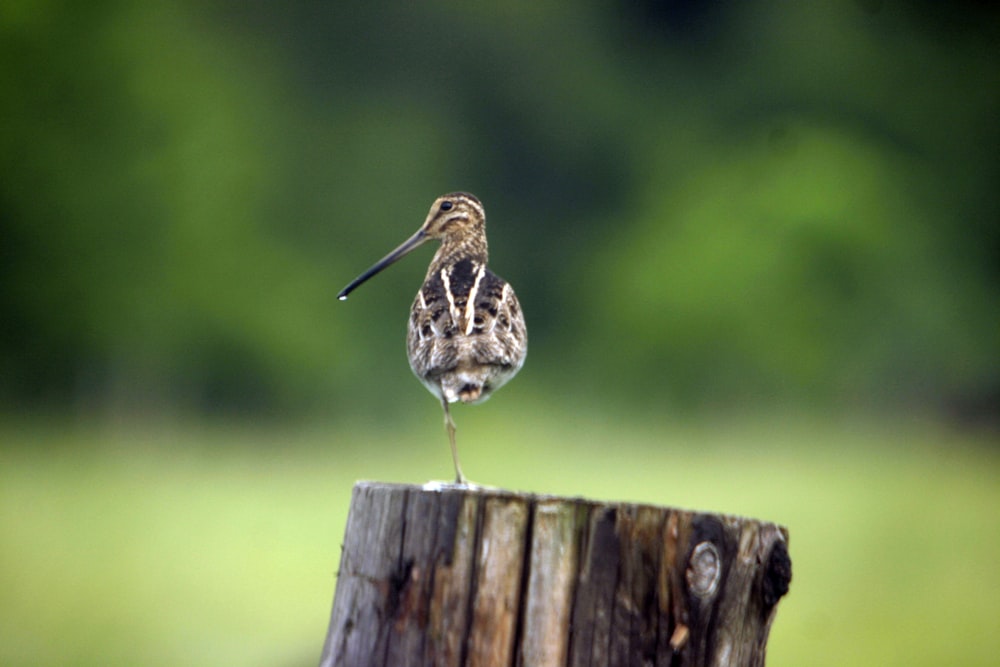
(698, 203)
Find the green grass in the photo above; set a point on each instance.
(218, 545)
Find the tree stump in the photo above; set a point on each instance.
(464, 577)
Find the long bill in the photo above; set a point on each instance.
(408, 245)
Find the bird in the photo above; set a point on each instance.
(466, 335)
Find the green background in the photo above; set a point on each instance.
(756, 245)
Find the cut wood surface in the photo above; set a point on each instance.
(457, 576)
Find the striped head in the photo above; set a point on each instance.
(455, 216)
(459, 221)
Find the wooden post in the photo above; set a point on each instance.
(466, 577)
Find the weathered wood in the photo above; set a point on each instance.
(475, 577)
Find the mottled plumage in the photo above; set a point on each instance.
(466, 335)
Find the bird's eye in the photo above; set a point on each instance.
(446, 206)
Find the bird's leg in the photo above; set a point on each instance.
(450, 425)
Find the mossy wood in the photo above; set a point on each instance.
(464, 577)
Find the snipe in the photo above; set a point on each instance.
(466, 334)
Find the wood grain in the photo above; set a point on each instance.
(458, 576)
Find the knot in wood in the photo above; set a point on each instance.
(704, 570)
(777, 575)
